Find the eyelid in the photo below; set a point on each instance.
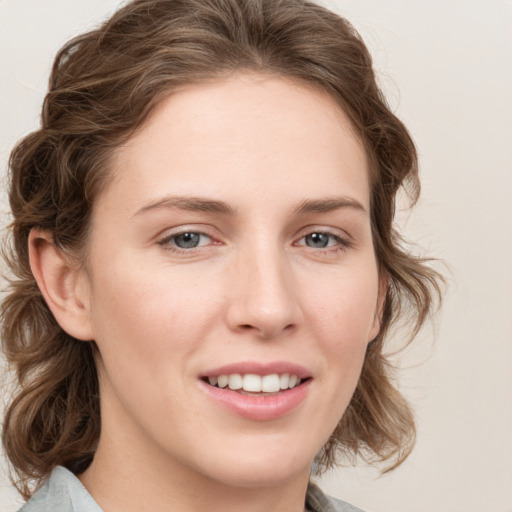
(343, 240)
(165, 238)
(186, 228)
(332, 235)
(328, 230)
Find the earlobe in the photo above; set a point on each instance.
(62, 283)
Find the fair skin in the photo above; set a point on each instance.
(277, 275)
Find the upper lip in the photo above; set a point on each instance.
(259, 368)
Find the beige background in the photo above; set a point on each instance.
(446, 66)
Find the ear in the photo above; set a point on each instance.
(63, 284)
(381, 299)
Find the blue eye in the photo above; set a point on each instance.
(187, 240)
(321, 240)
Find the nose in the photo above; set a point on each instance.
(264, 295)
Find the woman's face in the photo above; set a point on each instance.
(234, 244)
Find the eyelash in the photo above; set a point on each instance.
(340, 244)
(168, 240)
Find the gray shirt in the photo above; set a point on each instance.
(63, 492)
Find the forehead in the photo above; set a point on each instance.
(260, 129)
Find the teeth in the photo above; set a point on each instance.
(235, 381)
(252, 383)
(255, 383)
(271, 383)
(222, 381)
(293, 381)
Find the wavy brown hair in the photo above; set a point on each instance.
(102, 87)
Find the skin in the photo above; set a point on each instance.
(253, 290)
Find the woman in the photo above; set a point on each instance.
(205, 266)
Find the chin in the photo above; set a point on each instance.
(262, 466)
(257, 476)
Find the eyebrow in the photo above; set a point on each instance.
(202, 204)
(329, 204)
(191, 203)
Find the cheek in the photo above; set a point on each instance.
(341, 316)
(147, 331)
(151, 316)
(344, 304)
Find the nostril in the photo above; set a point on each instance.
(267, 331)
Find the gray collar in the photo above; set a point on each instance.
(63, 492)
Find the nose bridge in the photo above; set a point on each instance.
(265, 298)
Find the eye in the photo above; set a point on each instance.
(321, 240)
(324, 242)
(185, 240)
(318, 240)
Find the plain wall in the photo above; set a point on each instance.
(446, 66)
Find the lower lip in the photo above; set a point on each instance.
(256, 407)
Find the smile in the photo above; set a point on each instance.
(253, 383)
(258, 392)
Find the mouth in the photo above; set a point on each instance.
(258, 392)
(254, 384)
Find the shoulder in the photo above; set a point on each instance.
(317, 501)
(62, 492)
